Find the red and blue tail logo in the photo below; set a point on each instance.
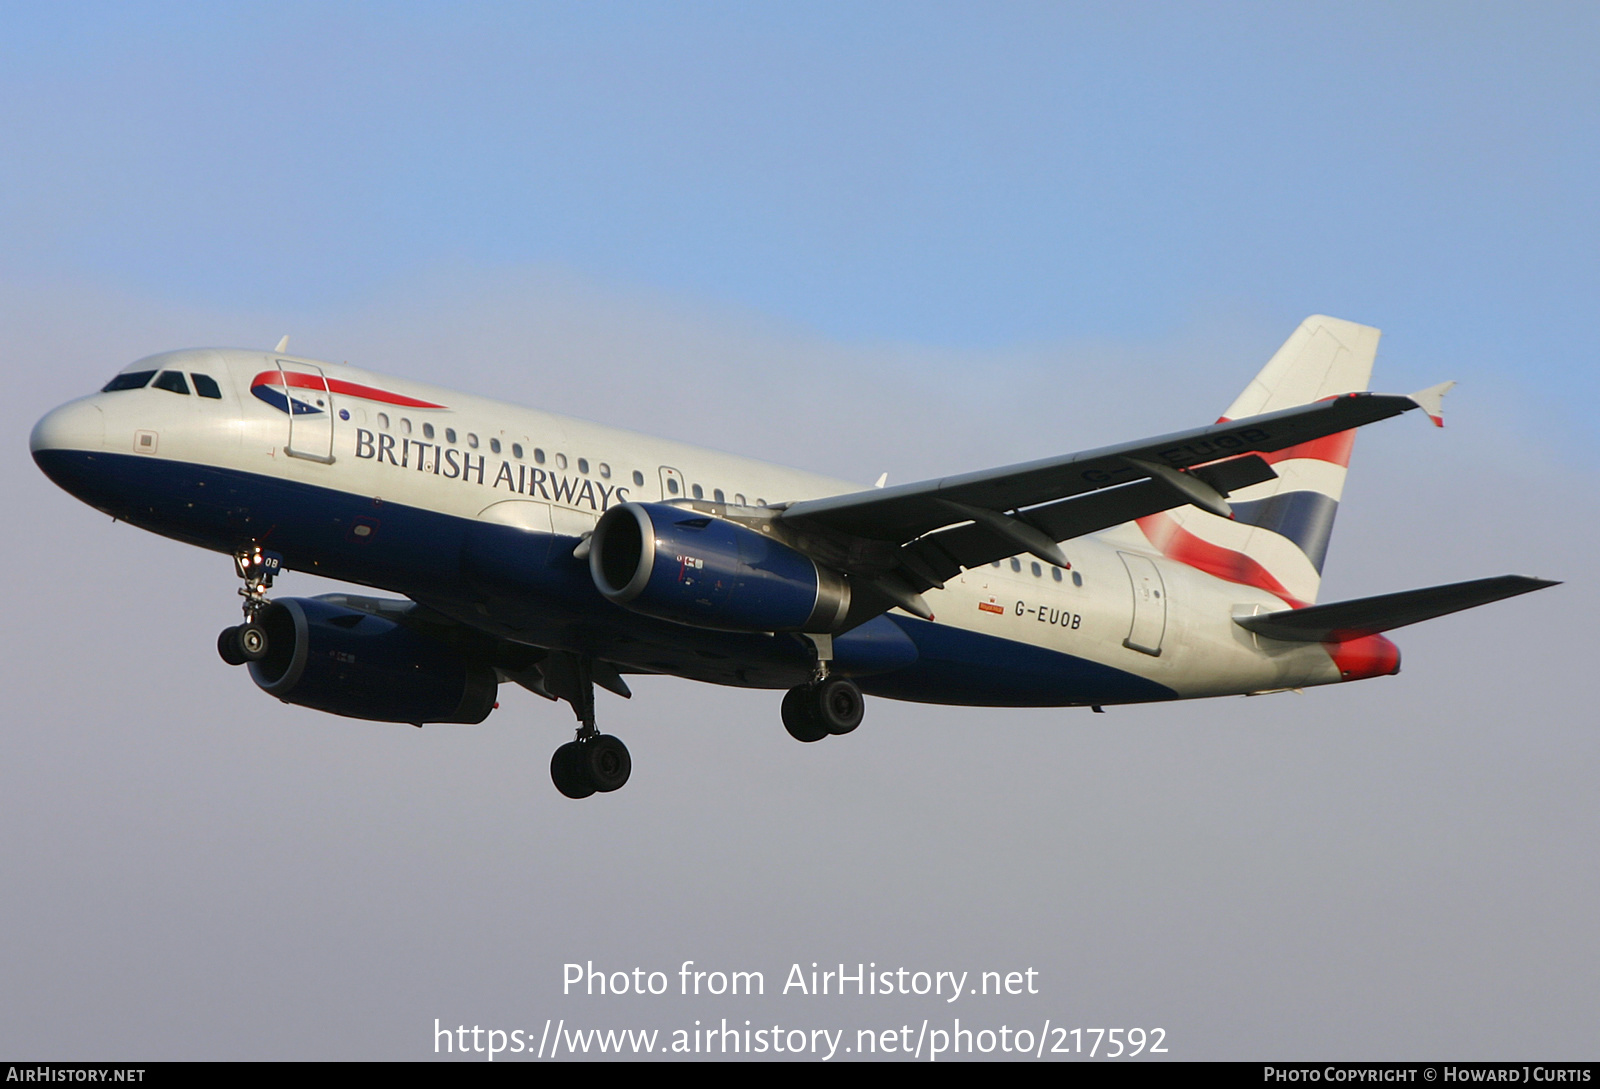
(1277, 539)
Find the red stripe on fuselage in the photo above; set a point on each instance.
(1181, 546)
(302, 380)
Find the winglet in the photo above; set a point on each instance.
(283, 345)
(1431, 401)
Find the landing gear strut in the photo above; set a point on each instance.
(592, 762)
(248, 641)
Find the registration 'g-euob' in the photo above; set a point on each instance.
(561, 555)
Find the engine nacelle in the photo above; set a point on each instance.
(691, 568)
(331, 658)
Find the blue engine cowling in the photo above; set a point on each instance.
(331, 658)
(692, 568)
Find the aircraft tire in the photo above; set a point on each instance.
(800, 715)
(606, 762)
(568, 773)
(838, 705)
(253, 642)
(229, 648)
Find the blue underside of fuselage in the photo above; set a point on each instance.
(527, 587)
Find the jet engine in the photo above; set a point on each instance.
(326, 656)
(694, 569)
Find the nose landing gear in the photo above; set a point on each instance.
(248, 641)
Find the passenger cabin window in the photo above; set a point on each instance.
(1037, 571)
(672, 485)
(450, 435)
(561, 461)
(605, 471)
(494, 445)
(427, 431)
(206, 386)
(738, 498)
(638, 478)
(516, 450)
(405, 425)
(699, 492)
(383, 420)
(1055, 573)
(172, 382)
(538, 456)
(583, 465)
(136, 380)
(1016, 564)
(717, 495)
(472, 440)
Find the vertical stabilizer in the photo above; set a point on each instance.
(1278, 537)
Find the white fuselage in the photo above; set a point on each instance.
(373, 442)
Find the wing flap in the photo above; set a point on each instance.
(939, 556)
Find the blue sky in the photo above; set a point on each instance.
(938, 174)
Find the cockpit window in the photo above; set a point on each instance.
(206, 386)
(136, 380)
(172, 381)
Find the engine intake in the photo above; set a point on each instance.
(331, 658)
(707, 572)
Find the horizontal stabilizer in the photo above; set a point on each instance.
(1345, 620)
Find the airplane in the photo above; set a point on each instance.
(562, 555)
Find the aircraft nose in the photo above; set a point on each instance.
(60, 440)
(76, 425)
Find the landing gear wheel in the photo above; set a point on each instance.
(229, 647)
(837, 705)
(605, 758)
(568, 773)
(252, 641)
(799, 715)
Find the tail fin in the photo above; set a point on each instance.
(1278, 537)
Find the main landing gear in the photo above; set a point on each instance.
(248, 642)
(592, 762)
(827, 705)
(831, 706)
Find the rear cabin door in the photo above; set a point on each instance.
(1149, 604)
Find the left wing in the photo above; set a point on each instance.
(911, 537)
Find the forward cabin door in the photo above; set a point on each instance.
(310, 411)
(1149, 604)
(672, 484)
